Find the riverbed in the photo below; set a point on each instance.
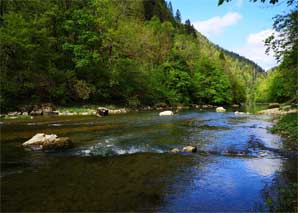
(123, 163)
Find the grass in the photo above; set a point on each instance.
(74, 109)
(288, 127)
(16, 117)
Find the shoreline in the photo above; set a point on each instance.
(92, 110)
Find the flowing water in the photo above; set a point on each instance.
(123, 163)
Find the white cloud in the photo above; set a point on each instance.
(254, 49)
(217, 24)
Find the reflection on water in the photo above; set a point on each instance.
(264, 166)
(122, 163)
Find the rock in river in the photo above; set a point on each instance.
(220, 109)
(101, 111)
(189, 149)
(166, 113)
(175, 150)
(42, 141)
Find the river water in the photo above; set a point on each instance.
(123, 163)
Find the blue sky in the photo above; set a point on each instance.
(240, 25)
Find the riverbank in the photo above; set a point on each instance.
(288, 127)
(49, 109)
(278, 111)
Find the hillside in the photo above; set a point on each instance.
(121, 52)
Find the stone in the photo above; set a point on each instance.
(189, 149)
(36, 112)
(220, 109)
(117, 111)
(58, 143)
(166, 113)
(235, 105)
(51, 113)
(175, 150)
(13, 113)
(101, 111)
(43, 141)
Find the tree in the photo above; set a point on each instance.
(178, 16)
(289, 2)
(189, 29)
(170, 7)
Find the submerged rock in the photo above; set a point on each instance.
(42, 141)
(220, 109)
(166, 113)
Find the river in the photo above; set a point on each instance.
(123, 163)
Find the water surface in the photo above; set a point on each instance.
(123, 163)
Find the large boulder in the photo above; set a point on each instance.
(220, 109)
(166, 113)
(43, 141)
(58, 143)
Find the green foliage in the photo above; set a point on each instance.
(82, 90)
(220, 2)
(121, 52)
(178, 16)
(281, 84)
(211, 84)
(288, 126)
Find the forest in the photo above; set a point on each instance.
(131, 53)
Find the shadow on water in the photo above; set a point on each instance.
(121, 183)
(122, 163)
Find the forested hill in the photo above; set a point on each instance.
(131, 53)
(233, 56)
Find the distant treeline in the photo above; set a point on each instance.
(131, 53)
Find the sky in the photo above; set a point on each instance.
(240, 26)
